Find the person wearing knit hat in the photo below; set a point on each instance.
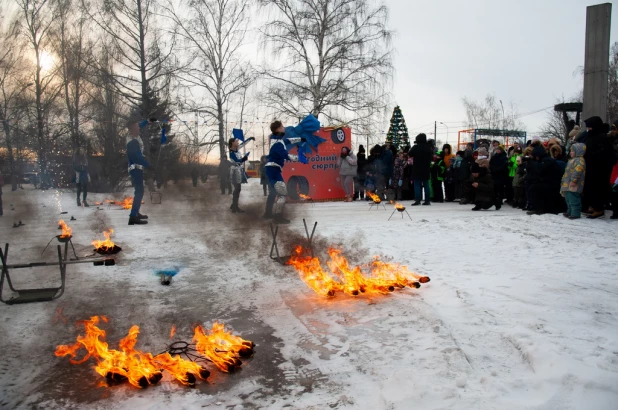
(483, 185)
(483, 158)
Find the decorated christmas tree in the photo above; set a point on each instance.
(398, 131)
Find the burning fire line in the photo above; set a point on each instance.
(383, 277)
(142, 369)
(66, 230)
(304, 197)
(107, 246)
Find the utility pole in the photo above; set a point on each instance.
(435, 133)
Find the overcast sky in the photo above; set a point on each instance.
(523, 51)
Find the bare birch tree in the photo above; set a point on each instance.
(332, 55)
(491, 114)
(213, 32)
(34, 23)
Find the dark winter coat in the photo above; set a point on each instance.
(485, 190)
(498, 165)
(361, 166)
(422, 155)
(388, 162)
(599, 153)
(398, 169)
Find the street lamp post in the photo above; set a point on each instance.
(446, 131)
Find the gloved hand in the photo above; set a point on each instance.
(303, 139)
(246, 157)
(400, 183)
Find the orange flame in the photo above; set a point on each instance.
(382, 278)
(221, 347)
(305, 197)
(375, 198)
(105, 245)
(66, 230)
(127, 203)
(173, 331)
(400, 207)
(139, 368)
(124, 364)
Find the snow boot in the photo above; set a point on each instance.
(280, 220)
(574, 217)
(498, 206)
(566, 214)
(476, 208)
(134, 220)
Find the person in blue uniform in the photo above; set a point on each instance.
(137, 164)
(277, 156)
(237, 172)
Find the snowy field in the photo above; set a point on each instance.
(521, 312)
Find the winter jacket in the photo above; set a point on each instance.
(398, 170)
(499, 167)
(513, 165)
(361, 166)
(575, 172)
(135, 156)
(237, 167)
(348, 165)
(519, 178)
(388, 161)
(263, 176)
(485, 190)
(422, 155)
(80, 166)
(438, 170)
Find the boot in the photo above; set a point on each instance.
(574, 217)
(280, 220)
(417, 203)
(134, 220)
(233, 208)
(79, 202)
(426, 203)
(476, 208)
(86, 203)
(498, 206)
(140, 216)
(566, 214)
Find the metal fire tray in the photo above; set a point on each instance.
(39, 294)
(274, 249)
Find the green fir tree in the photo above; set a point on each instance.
(398, 131)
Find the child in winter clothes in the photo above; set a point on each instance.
(483, 158)
(483, 184)
(519, 180)
(573, 181)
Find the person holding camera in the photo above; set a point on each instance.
(347, 172)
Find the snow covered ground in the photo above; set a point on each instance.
(521, 312)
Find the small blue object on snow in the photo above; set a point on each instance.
(167, 275)
(238, 134)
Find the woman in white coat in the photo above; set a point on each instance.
(347, 171)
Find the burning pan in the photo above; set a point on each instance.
(108, 251)
(63, 239)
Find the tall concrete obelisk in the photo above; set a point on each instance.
(596, 66)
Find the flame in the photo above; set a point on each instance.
(173, 331)
(312, 274)
(139, 368)
(66, 230)
(305, 197)
(127, 203)
(221, 347)
(374, 197)
(400, 207)
(382, 277)
(107, 244)
(125, 364)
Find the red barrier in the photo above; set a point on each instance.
(319, 179)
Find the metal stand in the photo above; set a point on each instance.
(274, 249)
(66, 247)
(377, 205)
(39, 294)
(401, 212)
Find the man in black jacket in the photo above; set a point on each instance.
(599, 162)
(422, 154)
(499, 172)
(544, 176)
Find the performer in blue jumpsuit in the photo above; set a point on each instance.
(137, 163)
(277, 156)
(237, 172)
